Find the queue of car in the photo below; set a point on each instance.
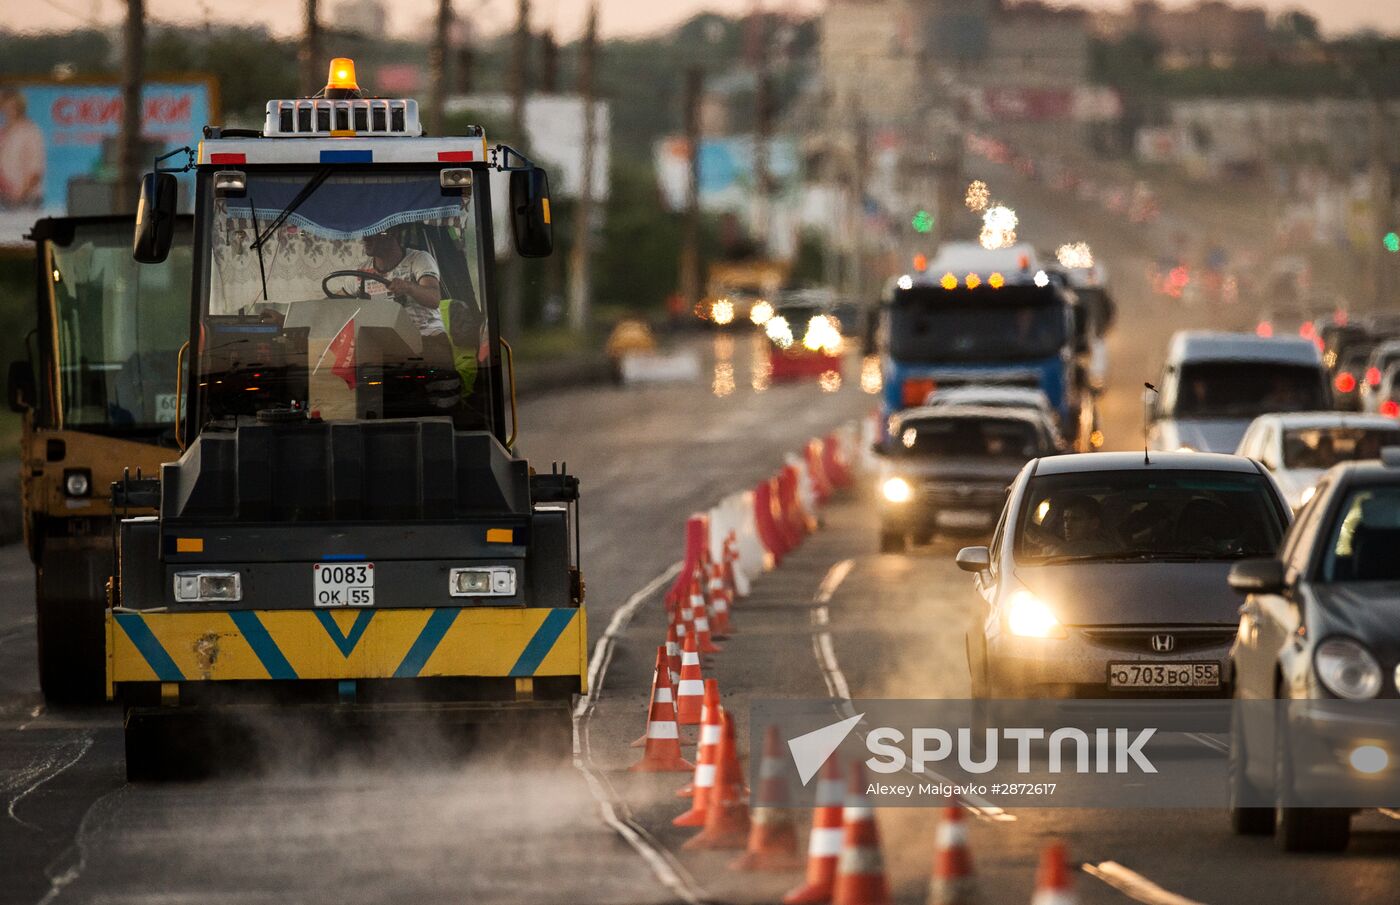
(1119, 575)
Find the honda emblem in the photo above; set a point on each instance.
(1163, 644)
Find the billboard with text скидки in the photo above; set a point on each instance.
(59, 143)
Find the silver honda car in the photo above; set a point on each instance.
(1106, 576)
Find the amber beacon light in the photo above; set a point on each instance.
(341, 77)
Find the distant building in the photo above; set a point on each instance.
(1036, 45)
(1210, 33)
(364, 17)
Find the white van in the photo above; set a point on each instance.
(1215, 384)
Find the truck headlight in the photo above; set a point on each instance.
(1030, 617)
(896, 490)
(1347, 669)
(487, 581)
(77, 482)
(208, 586)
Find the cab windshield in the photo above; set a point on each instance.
(979, 438)
(118, 328)
(1140, 516)
(928, 325)
(345, 294)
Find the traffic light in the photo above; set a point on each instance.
(1391, 242)
(921, 262)
(922, 222)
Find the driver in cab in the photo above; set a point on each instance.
(411, 275)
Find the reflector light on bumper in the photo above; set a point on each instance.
(492, 581)
(207, 586)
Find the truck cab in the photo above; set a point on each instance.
(979, 322)
(98, 397)
(349, 528)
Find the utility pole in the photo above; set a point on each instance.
(129, 159)
(437, 70)
(581, 254)
(310, 52)
(512, 317)
(549, 64)
(758, 52)
(762, 157)
(855, 274)
(690, 226)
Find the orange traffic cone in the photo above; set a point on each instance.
(673, 653)
(860, 875)
(656, 689)
(704, 642)
(663, 744)
(824, 845)
(722, 596)
(952, 882)
(727, 812)
(1052, 880)
(690, 693)
(707, 748)
(773, 839)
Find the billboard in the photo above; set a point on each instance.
(726, 170)
(59, 143)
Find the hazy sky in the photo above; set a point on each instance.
(618, 17)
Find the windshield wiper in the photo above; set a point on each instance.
(311, 186)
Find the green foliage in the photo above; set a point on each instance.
(638, 259)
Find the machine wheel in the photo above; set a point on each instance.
(893, 541)
(70, 589)
(1305, 829)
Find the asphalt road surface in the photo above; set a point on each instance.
(405, 821)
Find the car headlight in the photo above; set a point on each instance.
(208, 586)
(896, 490)
(1030, 617)
(1185, 448)
(1347, 669)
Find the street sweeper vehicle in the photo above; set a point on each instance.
(348, 530)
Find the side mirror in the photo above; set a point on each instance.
(974, 559)
(1257, 576)
(155, 218)
(529, 213)
(21, 387)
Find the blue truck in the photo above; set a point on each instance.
(978, 317)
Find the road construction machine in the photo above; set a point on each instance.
(349, 530)
(96, 393)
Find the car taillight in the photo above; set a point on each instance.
(916, 390)
(1390, 408)
(1264, 329)
(1345, 382)
(1373, 377)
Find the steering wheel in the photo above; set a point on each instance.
(364, 276)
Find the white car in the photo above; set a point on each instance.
(1297, 447)
(992, 396)
(1214, 384)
